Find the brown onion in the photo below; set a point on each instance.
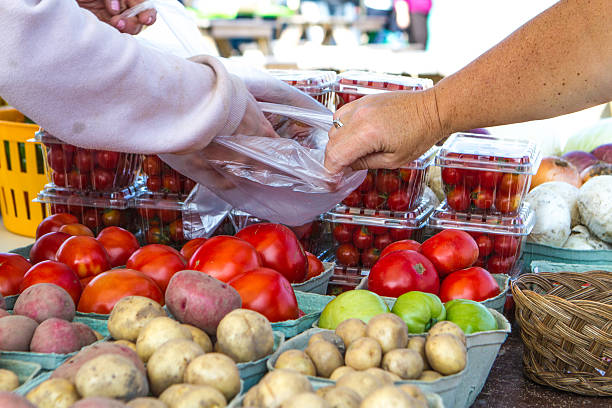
(555, 168)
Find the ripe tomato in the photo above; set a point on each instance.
(107, 160)
(382, 241)
(404, 244)
(83, 160)
(403, 271)
(499, 264)
(482, 198)
(53, 223)
(511, 183)
(171, 183)
(485, 245)
(111, 218)
(154, 183)
(489, 179)
(175, 230)
(84, 255)
(373, 200)
(59, 179)
(187, 185)
(507, 204)
(45, 248)
(369, 257)
(91, 218)
(102, 179)
(57, 160)
(78, 180)
(279, 249)
(409, 175)
(158, 262)
(191, 246)
(315, 266)
(398, 234)
(151, 165)
(362, 237)
(76, 229)
(12, 269)
(224, 257)
(506, 245)
(268, 292)
(399, 200)
(119, 243)
(451, 176)
(353, 199)
(387, 182)
(458, 198)
(472, 283)
(367, 184)
(343, 233)
(348, 255)
(154, 235)
(102, 293)
(56, 273)
(469, 177)
(450, 250)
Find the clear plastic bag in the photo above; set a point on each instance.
(277, 179)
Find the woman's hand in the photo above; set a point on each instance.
(108, 11)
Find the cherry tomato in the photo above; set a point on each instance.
(171, 183)
(167, 216)
(499, 264)
(482, 198)
(119, 243)
(103, 179)
(45, 247)
(511, 184)
(78, 180)
(154, 183)
(187, 185)
(84, 255)
(91, 219)
(158, 262)
(315, 266)
(83, 160)
(54, 222)
(12, 269)
(175, 230)
(469, 177)
(353, 199)
(404, 244)
(398, 234)
(458, 198)
(191, 246)
(369, 257)
(59, 179)
(107, 160)
(472, 283)
(348, 255)
(102, 293)
(57, 159)
(56, 273)
(151, 165)
(382, 241)
(507, 204)
(387, 183)
(111, 218)
(76, 229)
(451, 175)
(450, 250)
(367, 184)
(268, 292)
(373, 200)
(489, 179)
(399, 201)
(506, 245)
(362, 238)
(343, 233)
(155, 236)
(485, 245)
(403, 271)
(409, 175)
(224, 257)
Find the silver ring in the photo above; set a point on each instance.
(337, 123)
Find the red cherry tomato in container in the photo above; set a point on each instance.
(362, 238)
(353, 199)
(450, 250)
(451, 175)
(399, 200)
(369, 257)
(506, 245)
(499, 264)
(403, 271)
(348, 255)
(489, 179)
(382, 241)
(485, 245)
(482, 198)
(507, 204)
(458, 199)
(343, 233)
(472, 283)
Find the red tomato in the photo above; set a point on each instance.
(176, 231)
(382, 241)
(407, 244)
(102, 179)
(458, 198)
(409, 175)
(343, 233)
(56, 273)
(507, 204)
(154, 183)
(451, 176)
(403, 271)
(279, 249)
(167, 216)
(45, 248)
(367, 184)
(78, 180)
(469, 177)
(91, 218)
(12, 269)
(387, 183)
(119, 243)
(191, 246)
(158, 263)
(348, 255)
(353, 199)
(315, 266)
(53, 223)
(499, 264)
(399, 200)
(511, 184)
(362, 238)
(187, 185)
(485, 245)
(111, 218)
(472, 283)
(373, 200)
(82, 160)
(398, 234)
(506, 245)
(59, 179)
(450, 250)
(84, 255)
(171, 183)
(268, 292)
(376, 230)
(369, 257)
(224, 257)
(107, 160)
(76, 229)
(57, 160)
(102, 293)
(482, 198)
(489, 179)
(151, 165)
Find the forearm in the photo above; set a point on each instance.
(557, 63)
(92, 86)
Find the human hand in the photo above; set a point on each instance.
(108, 11)
(254, 123)
(385, 130)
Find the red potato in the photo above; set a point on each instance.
(12, 400)
(55, 336)
(16, 333)
(43, 301)
(85, 333)
(200, 300)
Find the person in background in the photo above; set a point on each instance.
(380, 8)
(417, 29)
(557, 63)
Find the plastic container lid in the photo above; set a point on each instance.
(521, 224)
(424, 161)
(477, 152)
(364, 83)
(148, 199)
(311, 82)
(115, 200)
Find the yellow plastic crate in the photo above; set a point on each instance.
(22, 174)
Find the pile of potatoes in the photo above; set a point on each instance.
(285, 388)
(42, 323)
(157, 362)
(381, 349)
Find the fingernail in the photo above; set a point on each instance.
(120, 25)
(115, 5)
(150, 20)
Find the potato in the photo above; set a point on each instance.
(296, 360)
(16, 333)
(360, 382)
(111, 376)
(415, 392)
(85, 334)
(168, 363)
(405, 363)
(11, 400)
(429, 375)
(417, 343)
(340, 397)
(447, 327)
(325, 356)
(146, 402)
(216, 370)
(4, 313)
(305, 400)
(245, 335)
(130, 315)
(98, 402)
(385, 376)
(200, 300)
(127, 344)
(55, 336)
(250, 398)
(350, 330)
(201, 396)
(44, 301)
(389, 330)
(331, 337)
(8, 380)
(446, 353)
(364, 353)
(278, 386)
(156, 332)
(54, 393)
(340, 371)
(71, 366)
(175, 393)
(388, 396)
(200, 337)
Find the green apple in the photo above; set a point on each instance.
(360, 304)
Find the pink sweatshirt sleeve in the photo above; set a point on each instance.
(91, 86)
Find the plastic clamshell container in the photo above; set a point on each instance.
(93, 209)
(310, 303)
(317, 284)
(25, 371)
(486, 174)
(87, 169)
(318, 84)
(252, 371)
(357, 239)
(345, 279)
(392, 193)
(162, 179)
(501, 238)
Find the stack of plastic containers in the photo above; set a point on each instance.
(161, 178)
(318, 84)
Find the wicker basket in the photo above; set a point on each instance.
(566, 328)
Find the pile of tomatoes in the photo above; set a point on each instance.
(96, 218)
(161, 178)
